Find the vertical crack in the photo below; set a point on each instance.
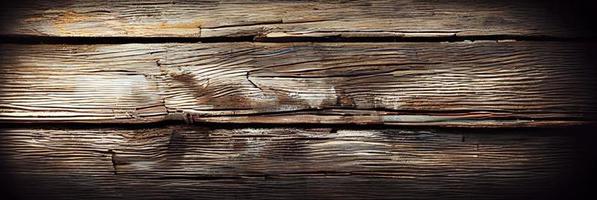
(114, 161)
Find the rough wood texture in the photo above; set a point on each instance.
(424, 80)
(451, 84)
(272, 18)
(79, 83)
(263, 163)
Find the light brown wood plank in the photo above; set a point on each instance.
(176, 162)
(483, 83)
(273, 19)
(80, 83)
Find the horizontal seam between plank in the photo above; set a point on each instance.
(26, 39)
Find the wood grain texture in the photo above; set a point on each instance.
(78, 83)
(484, 83)
(274, 18)
(182, 162)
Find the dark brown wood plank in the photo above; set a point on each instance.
(273, 18)
(270, 163)
(483, 83)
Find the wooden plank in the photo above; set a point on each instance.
(273, 18)
(483, 83)
(80, 83)
(177, 162)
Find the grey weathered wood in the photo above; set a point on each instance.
(262, 163)
(484, 83)
(272, 18)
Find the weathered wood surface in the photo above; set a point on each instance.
(505, 83)
(177, 162)
(485, 83)
(274, 19)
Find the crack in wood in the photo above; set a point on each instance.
(252, 83)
